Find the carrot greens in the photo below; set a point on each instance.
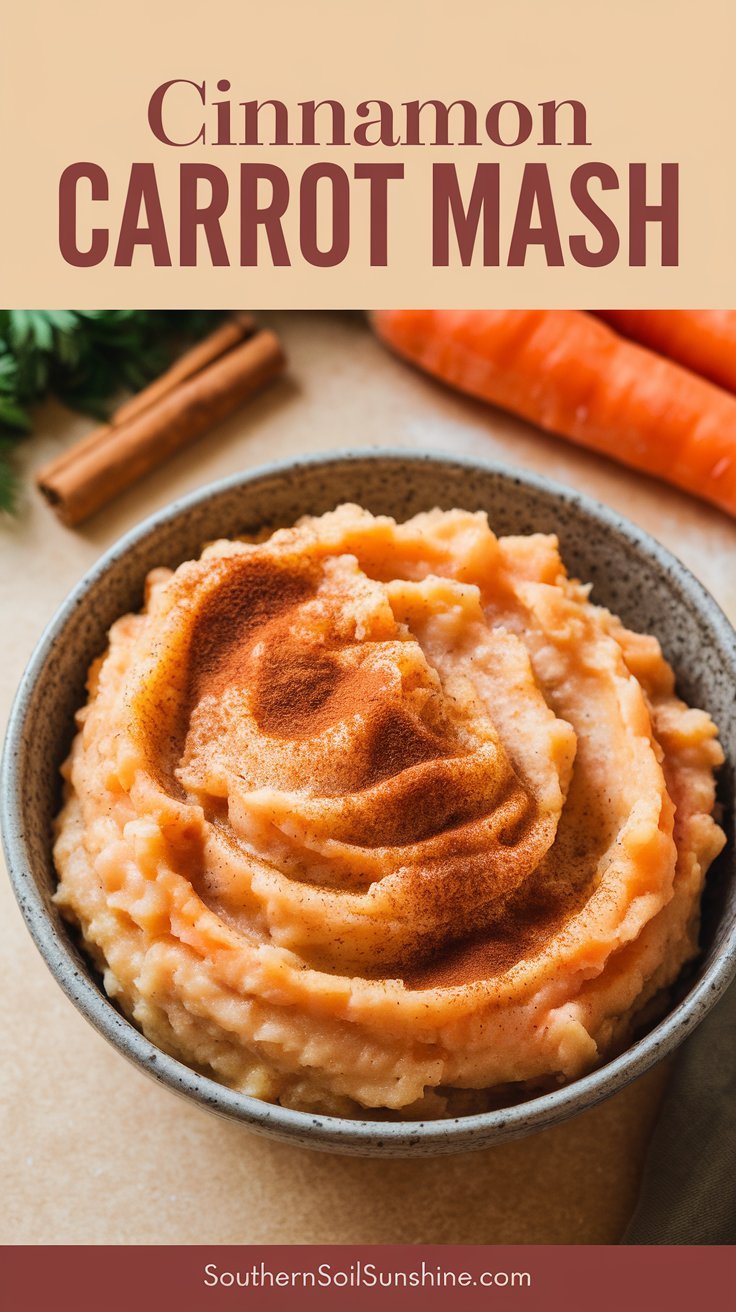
(85, 358)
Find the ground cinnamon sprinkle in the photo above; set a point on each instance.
(468, 835)
(252, 592)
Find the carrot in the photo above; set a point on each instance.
(702, 340)
(570, 374)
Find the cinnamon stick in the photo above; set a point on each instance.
(200, 390)
(212, 346)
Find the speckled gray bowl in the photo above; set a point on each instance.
(631, 574)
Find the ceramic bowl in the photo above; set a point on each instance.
(631, 574)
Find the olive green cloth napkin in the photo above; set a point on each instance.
(688, 1191)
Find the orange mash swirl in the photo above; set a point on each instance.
(385, 816)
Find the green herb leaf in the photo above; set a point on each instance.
(8, 478)
(85, 358)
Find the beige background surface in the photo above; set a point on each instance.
(90, 1150)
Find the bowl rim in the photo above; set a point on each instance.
(318, 1130)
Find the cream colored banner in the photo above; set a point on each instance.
(654, 79)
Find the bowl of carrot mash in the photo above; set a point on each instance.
(382, 802)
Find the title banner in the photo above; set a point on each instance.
(514, 153)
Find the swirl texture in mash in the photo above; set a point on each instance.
(387, 816)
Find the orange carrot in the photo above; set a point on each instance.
(702, 340)
(570, 374)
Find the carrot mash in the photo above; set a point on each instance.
(385, 816)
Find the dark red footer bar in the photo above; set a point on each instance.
(517, 1278)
